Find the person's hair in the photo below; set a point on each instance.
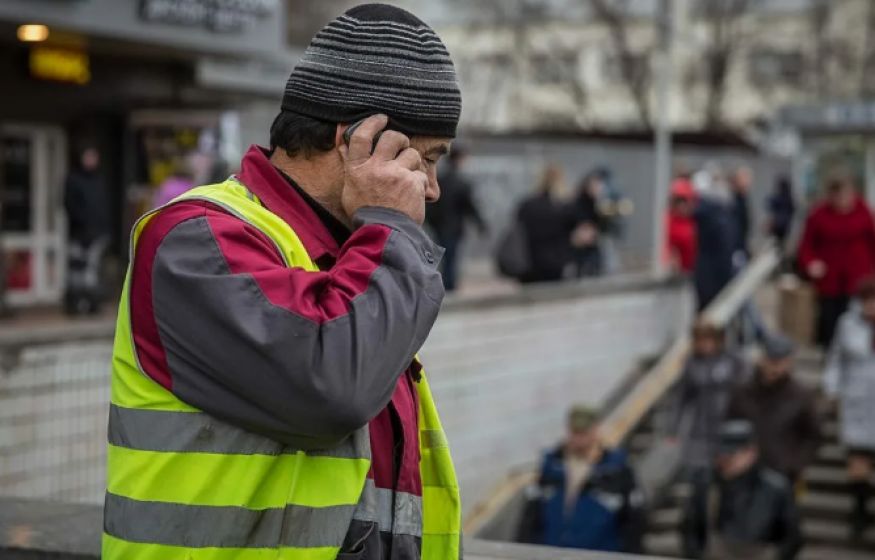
(866, 288)
(551, 179)
(705, 329)
(301, 135)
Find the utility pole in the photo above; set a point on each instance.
(665, 19)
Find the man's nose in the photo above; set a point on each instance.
(432, 191)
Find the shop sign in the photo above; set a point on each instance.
(60, 64)
(221, 16)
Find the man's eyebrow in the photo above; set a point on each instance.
(441, 150)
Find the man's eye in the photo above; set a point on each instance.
(431, 161)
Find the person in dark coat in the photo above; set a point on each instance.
(782, 410)
(715, 227)
(591, 224)
(837, 251)
(447, 216)
(781, 208)
(750, 511)
(740, 183)
(587, 497)
(548, 224)
(85, 200)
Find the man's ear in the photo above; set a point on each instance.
(338, 134)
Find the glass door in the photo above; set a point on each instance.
(32, 223)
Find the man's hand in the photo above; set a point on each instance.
(391, 177)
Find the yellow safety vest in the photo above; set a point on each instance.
(183, 484)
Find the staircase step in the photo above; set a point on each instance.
(819, 478)
(835, 533)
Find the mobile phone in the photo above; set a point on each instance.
(347, 134)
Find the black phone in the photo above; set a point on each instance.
(347, 134)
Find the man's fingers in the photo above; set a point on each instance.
(410, 159)
(390, 145)
(362, 140)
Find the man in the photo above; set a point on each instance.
(741, 183)
(782, 410)
(716, 235)
(266, 401)
(750, 512)
(448, 215)
(85, 201)
(587, 497)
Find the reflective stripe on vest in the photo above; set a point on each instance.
(182, 484)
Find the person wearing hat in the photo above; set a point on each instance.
(782, 410)
(587, 497)
(749, 513)
(266, 396)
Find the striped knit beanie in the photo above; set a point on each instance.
(374, 59)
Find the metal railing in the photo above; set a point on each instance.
(54, 399)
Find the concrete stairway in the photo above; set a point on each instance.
(825, 506)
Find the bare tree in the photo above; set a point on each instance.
(634, 66)
(723, 19)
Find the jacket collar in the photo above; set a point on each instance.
(259, 175)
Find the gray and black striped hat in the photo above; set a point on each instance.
(373, 59)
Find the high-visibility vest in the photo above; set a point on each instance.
(184, 485)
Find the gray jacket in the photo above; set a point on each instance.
(850, 377)
(701, 401)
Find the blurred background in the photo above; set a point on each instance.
(623, 115)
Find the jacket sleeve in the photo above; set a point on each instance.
(304, 358)
(808, 429)
(679, 399)
(807, 251)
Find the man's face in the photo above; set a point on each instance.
(705, 345)
(773, 370)
(580, 442)
(734, 464)
(90, 159)
(742, 180)
(432, 149)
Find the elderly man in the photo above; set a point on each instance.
(782, 410)
(587, 496)
(750, 512)
(266, 398)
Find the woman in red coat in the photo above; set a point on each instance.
(837, 251)
(681, 239)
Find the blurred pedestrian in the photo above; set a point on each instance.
(85, 201)
(701, 397)
(740, 184)
(548, 225)
(178, 183)
(748, 512)
(781, 208)
(681, 238)
(837, 251)
(716, 230)
(591, 224)
(587, 496)
(448, 216)
(850, 378)
(782, 410)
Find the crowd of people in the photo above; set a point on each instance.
(744, 430)
(561, 236)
